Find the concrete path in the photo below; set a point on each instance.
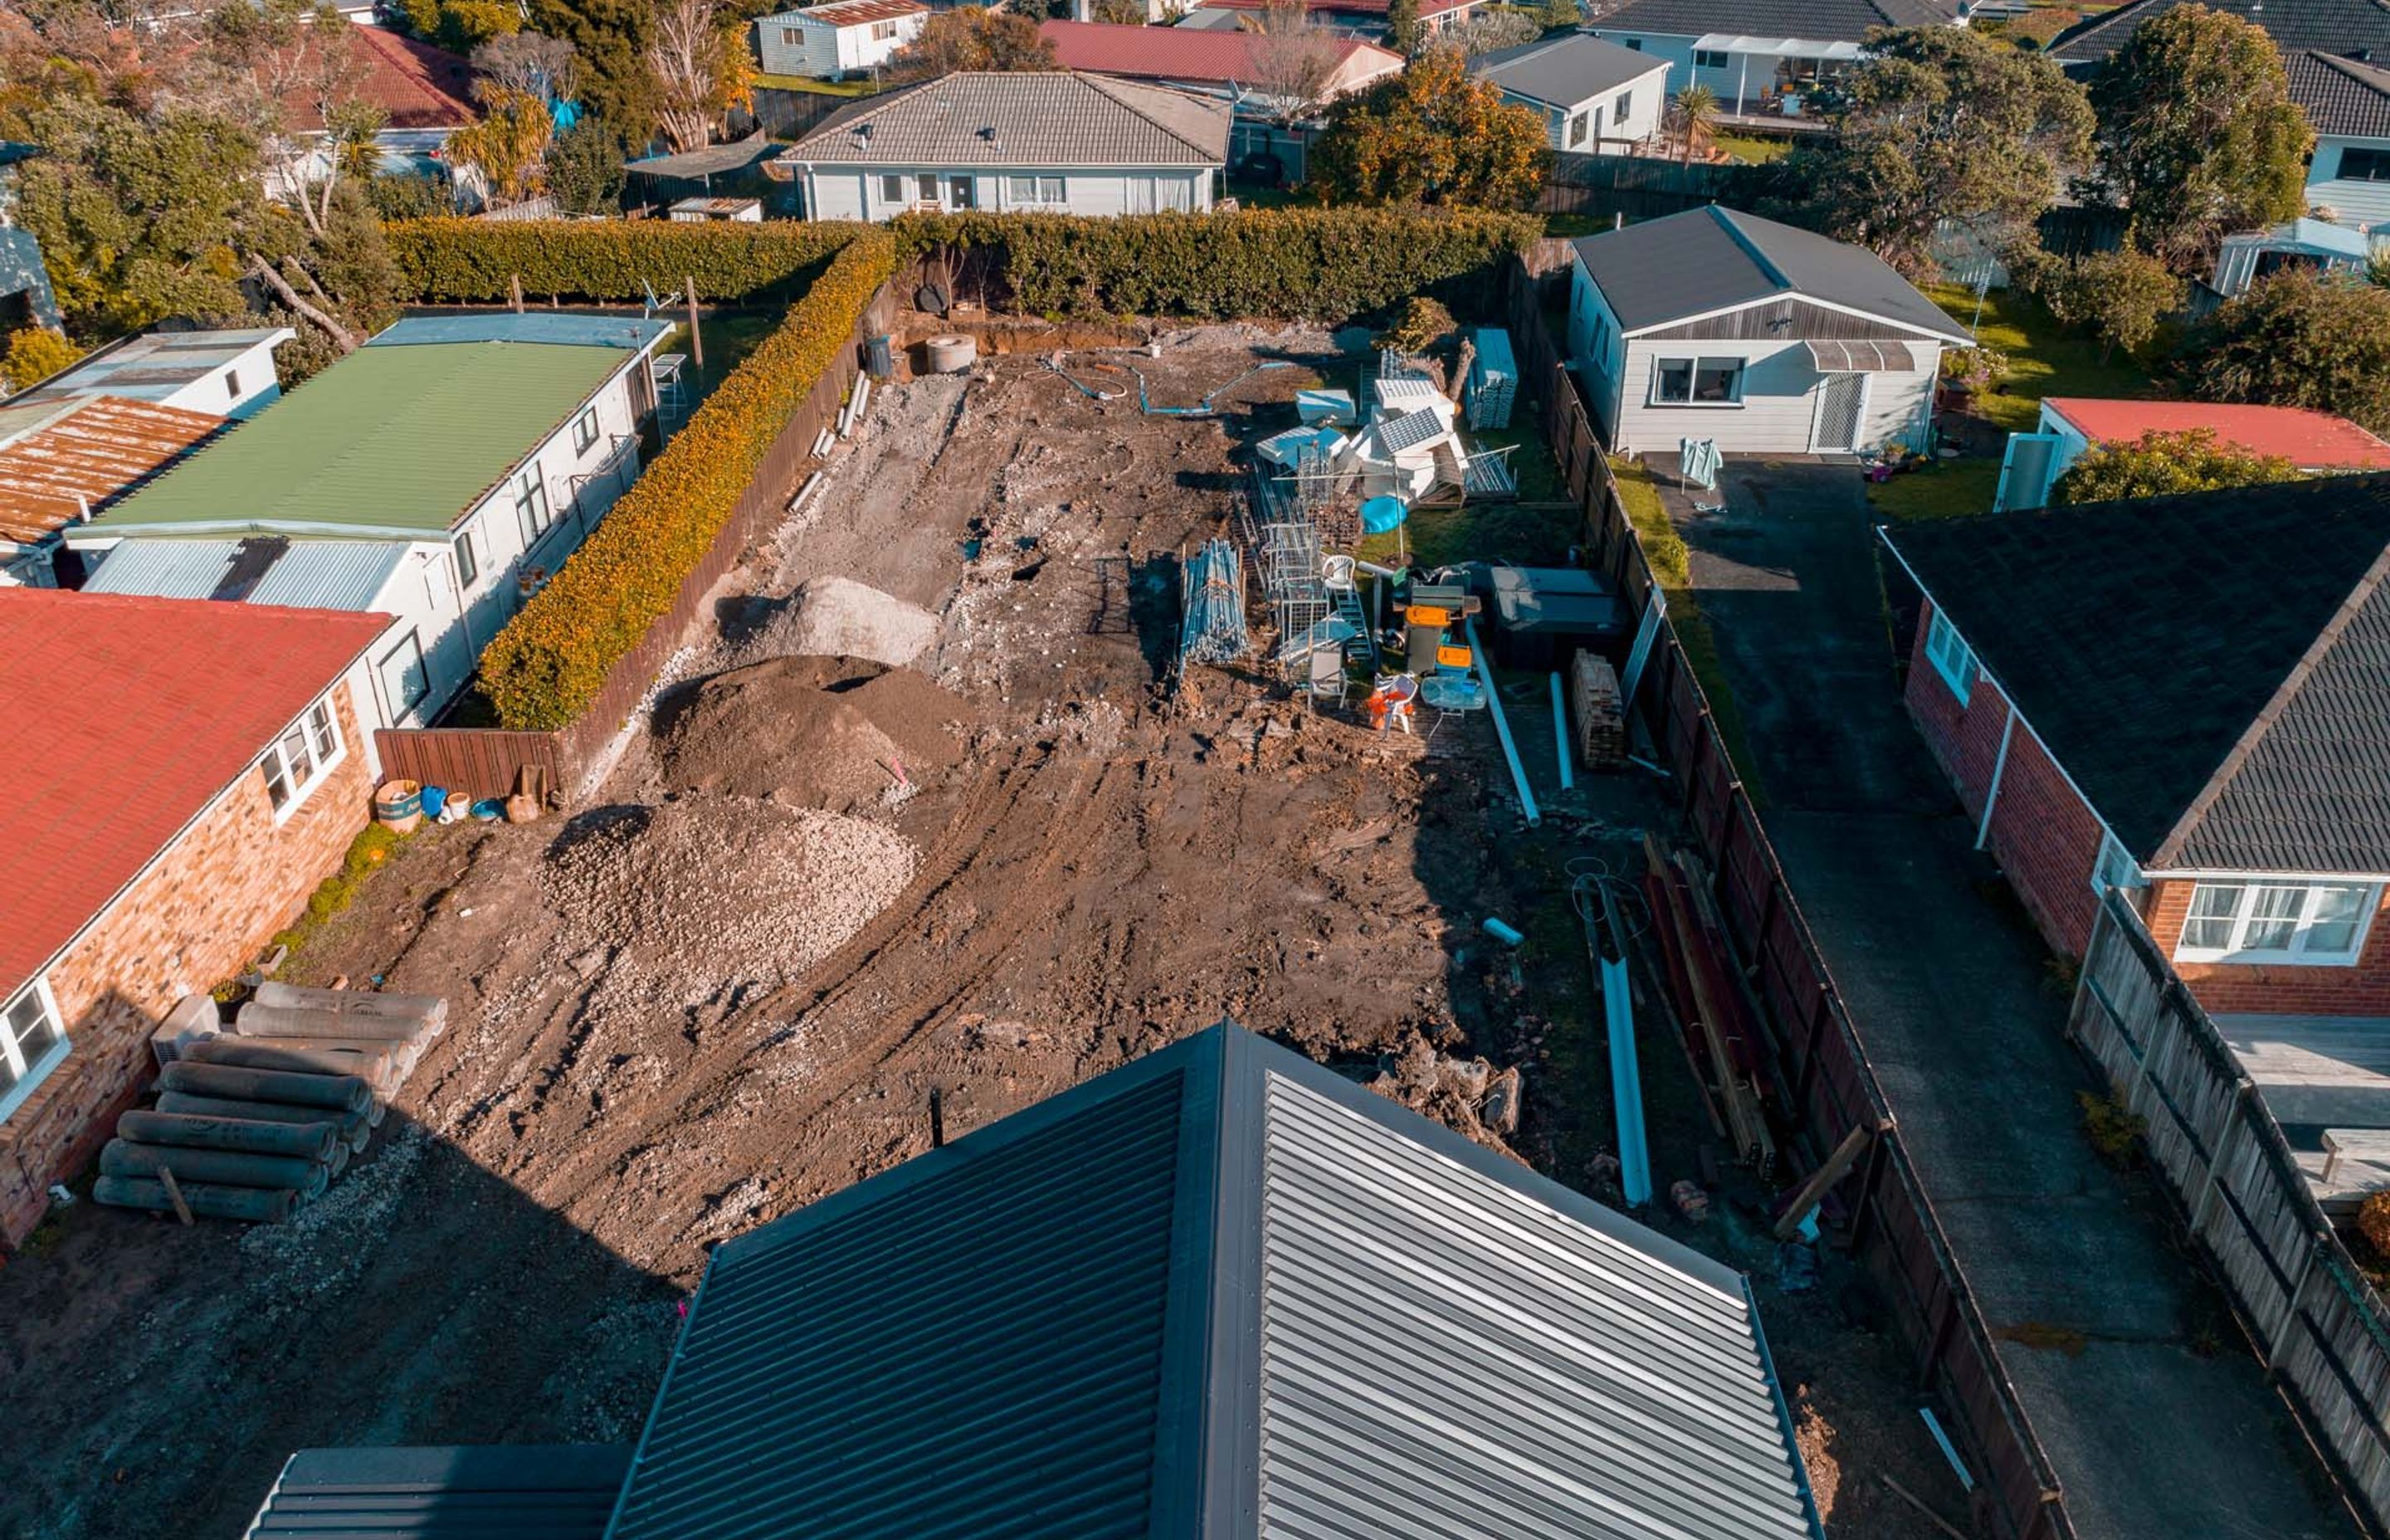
(2157, 1417)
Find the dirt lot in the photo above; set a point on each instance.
(731, 982)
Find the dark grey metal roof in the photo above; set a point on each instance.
(512, 1492)
(1046, 118)
(1713, 259)
(2222, 707)
(1220, 1291)
(1564, 71)
(2353, 29)
(1813, 21)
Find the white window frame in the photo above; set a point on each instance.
(468, 560)
(1621, 109)
(320, 750)
(30, 1072)
(400, 707)
(584, 430)
(882, 30)
(1043, 192)
(2114, 866)
(1693, 368)
(1950, 655)
(891, 188)
(2244, 917)
(1580, 124)
(793, 37)
(534, 514)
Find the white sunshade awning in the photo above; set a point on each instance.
(1775, 47)
(1862, 357)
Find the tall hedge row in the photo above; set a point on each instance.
(1318, 265)
(549, 662)
(471, 261)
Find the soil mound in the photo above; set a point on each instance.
(814, 732)
(836, 616)
(704, 892)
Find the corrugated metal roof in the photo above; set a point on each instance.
(400, 440)
(846, 13)
(1050, 118)
(309, 575)
(557, 328)
(65, 461)
(153, 365)
(1221, 1292)
(514, 1491)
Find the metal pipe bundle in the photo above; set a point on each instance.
(1212, 596)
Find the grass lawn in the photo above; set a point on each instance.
(1752, 149)
(1672, 564)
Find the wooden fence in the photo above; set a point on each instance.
(485, 762)
(1642, 186)
(1818, 1078)
(2322, 1330)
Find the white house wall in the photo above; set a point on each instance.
(825, 53)
(2361, 203)
(1646, 98)
(1778, 413)
(842, 192)
(1738, 83)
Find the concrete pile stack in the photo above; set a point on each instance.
(253, 1124)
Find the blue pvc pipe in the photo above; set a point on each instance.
(1560, 734)
(1502, 724)
(1508, 934)
(1626, 1085)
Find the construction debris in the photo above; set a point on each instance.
(837, 617)
(1211, 606)
(1709, 996)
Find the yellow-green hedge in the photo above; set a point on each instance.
(471, 261)
(1318, 265)
(545, 667)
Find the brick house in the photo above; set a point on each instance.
(184, 773)
(2188, 698)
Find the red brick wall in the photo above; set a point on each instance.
(194, 918)
(2233, 988)
(2044, 837)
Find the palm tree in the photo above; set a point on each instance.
(1694, 113)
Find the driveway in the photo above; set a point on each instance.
(2158, 1420)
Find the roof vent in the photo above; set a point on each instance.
(862, 134)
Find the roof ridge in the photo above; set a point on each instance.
(1107, 86)
(2368, 583)
(1741, 237)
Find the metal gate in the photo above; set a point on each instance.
(1839, 406)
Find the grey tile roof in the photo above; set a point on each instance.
(2340, 95)
(2212, 670)
(1052, 118)
(1219, 1292)
(2354, 29)
(1712, 258)
(1564, 71)
(520, 1492)
(1817, 20)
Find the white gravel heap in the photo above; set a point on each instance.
(836, 617)
(706, 890)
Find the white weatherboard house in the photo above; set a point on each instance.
(1767, 340)
(1763, 58)
(1053, 142)
(1594, 96)
(228, 373)
(440, 474)
(843, 38)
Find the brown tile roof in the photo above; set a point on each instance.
(419, 85)
(87, 455)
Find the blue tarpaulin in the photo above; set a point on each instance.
(1379, 515)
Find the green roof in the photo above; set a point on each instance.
(387, 441)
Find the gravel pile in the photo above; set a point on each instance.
(836, 616)
(705, 892)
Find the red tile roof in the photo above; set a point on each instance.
(419, 85)
(1195, 53)
(1348, 7)
(124, 718)
(2312, 441)
(93, 450)
(853, 13)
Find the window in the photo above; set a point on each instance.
(1634, 42)
(1697, 382)
(584, 430)
(32, 1042)
(882, 30)
(1578, 126)
(1951, 656)
(1030, 191)
(1709, 58)
(2115, 867)
(469, 565)
(404, 680)
(891, 188)
(530, 506)
(928, 182)
(2364, 165)
(2319, 924)
(232, 384)
(1625, 105)
(793, 37)
(299, 759)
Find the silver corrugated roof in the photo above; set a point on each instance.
(522, 1492)
(309, 575)
(1222, 1292)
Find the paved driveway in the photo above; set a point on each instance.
(2152, 1440)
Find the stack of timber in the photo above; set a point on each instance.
(1723, 1032)
(253, 1124)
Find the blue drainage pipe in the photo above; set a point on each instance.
(1501, 724)
(1560, 734)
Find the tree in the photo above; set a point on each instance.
(1693, 114)
(699, 57)
(2118, 297)
(1293, 63)
(1938, 124)
(34, 353)
(2198, 135)
(1431, 135)
(584, 169)
(611, 39)
(459, 26)
(289, 69)
(1120, 13)
(408, 196)
(972, 37)
(508, 144)
(1405, 30)
(1558, 14)
(2297, 339)
(1494, 28)
(536, 65)
(2165, 465)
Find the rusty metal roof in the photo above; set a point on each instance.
(83, 454)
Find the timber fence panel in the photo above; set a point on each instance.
(469, 762)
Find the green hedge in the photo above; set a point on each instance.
(471, 261)
(1318, 265)
(549, 663)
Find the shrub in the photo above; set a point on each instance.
(33, 355)
(470, 260)
(549, 663)
(2113, 1128)
(2373, 1224)
(1314, 264)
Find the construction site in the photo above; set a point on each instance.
(1088, 698)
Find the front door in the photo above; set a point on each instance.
(1839, 408)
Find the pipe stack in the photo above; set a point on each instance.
(254, 1123)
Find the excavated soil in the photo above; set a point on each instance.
(733, 980)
